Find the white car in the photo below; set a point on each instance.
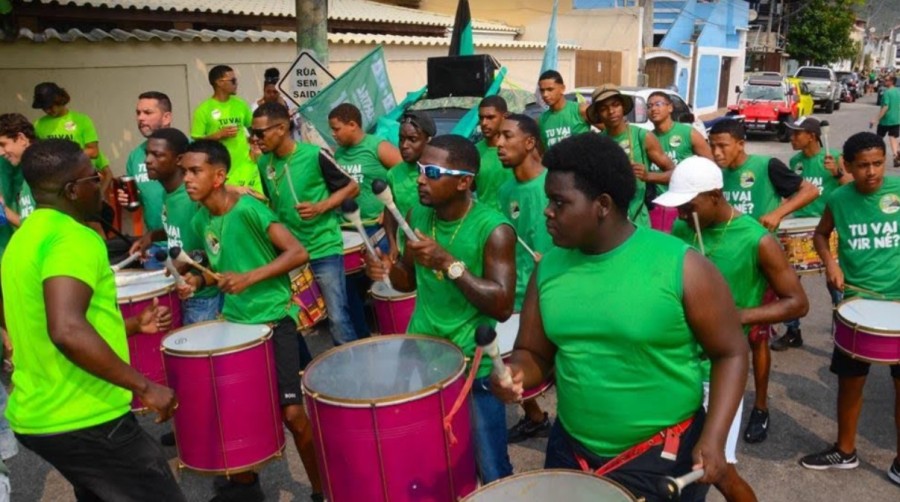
(638, 116)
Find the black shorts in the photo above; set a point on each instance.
(291, 357)
(843, 365)
(891, 130)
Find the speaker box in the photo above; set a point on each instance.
(460, 75)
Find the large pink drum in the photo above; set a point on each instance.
(552, 484)
(869, 330)
(377, 408)
(228, 418)
(354, 252)
(393, 308)
(506, 340)
(143, 348)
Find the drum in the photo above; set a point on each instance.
(393, 309)
(552, 484)
(506, 339)
(228, 418)
(354, 252)
(662, 218)
(377, 408)
(143, 348)
(796, 236)
(869, 330)
(308, 296)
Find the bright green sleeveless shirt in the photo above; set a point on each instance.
(749, 189)
(812, 169)
(362, 163)
(403, 179)
(491, 175)
(633, 141)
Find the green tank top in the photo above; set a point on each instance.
(299, 174)
(177, 213)
(812, 169)
(491, 175)
(557, 126)
(441, 308)
(633, 141)
(676, 143)
(362, 163)
(748, 187)
(403, 179)
(868, 238)
(628, 366)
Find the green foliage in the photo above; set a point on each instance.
(820, 33)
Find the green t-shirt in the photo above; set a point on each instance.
(441, 308)
(633, 141)
(523, 204)
(676, 143)
(627, 366)
(52, 395)
(10, 183)
(73, 126)
(890, 99)
(151, 192)
(491, 175)
(213, 115)
(361, 162)
(321, 235)
(749, 189)
(868, 238)
(402, 179)
(812, 169)
(177, 214)
(238, 242)
(25, 203)
(558, 125)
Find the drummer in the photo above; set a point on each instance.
(825, 170)
(871, 201)
(253, 253)
(464, 268)
(523, 201)
(749, 258)
(625, 376)
(73, 384)
(305, 186)
(416, 130)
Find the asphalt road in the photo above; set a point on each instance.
(802, 403)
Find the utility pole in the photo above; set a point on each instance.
(647, 38)
(312, 28)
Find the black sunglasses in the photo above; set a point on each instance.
(93, 179)
(259, 133)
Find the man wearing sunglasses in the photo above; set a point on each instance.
(463, 268)
(225, 118)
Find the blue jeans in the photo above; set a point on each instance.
(329, 272)
(358, 286)
(836, 297)
(151, 263)
(194, 310)
(8, 444)
(489, 424)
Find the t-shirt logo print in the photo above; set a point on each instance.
(747, 180)
(675, 141)
(70, 126)
(216, 114)
(626, 145)
(889, 203)
(213, 243)
(514, 210)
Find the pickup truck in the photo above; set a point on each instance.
(823, 85)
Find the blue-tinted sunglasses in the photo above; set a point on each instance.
(434, 171)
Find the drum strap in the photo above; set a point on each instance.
(670, 437)
(461, 399)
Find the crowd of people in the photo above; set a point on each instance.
(645, 268)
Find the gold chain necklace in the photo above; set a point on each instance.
(440, 273)
(718, 244)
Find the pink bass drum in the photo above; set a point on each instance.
(143, 348)
(377, 408)
(506, 340)
(869, 330)
(354, 252)
(228, 418)
(552, 484)
(393, 309)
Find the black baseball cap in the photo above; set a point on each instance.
(45, 94)
(421, 120)
(807, 124)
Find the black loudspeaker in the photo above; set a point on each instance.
(460, 75)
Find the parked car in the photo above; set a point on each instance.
(803, 99)
(823, 84)
(681, 111)
(767, 107)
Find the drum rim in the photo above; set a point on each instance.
(149, 295)
(383, 401)
(856, 326)
(870, 360)
(233, 470)
(543, 472)
(798, 230)
(206, 353)
(404, 295)
(300, 270)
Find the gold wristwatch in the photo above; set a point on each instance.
(456, 270)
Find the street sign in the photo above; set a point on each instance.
(305, 78)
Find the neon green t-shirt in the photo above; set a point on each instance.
(151, 192)
(556, 126)
(890, 99)
(812, 169)
(211, 116)
(238, 241)
(361, 162)
(633, 141)
(52, 394)
(73, 126)
(177, 214)
(402, 179)
(491, 175)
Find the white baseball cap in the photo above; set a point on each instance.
(693, 176)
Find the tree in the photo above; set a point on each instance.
(820, 32)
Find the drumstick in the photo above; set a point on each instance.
(126, 279)
(824, 126)
(486, 338)
(865, 291)
(162, 256)
(351, 212)
(699, 233)
(384, 194)
(530, 251)
(127, 261)
(180, 256)
(670, 488)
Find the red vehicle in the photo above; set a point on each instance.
(767, 105)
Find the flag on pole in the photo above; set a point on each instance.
(461, 43)
(551, 52)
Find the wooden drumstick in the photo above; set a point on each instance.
(127, 261)
(162, 256)
(699, 233)
(534, 255)
(351, 213)
(670, 488)
(384, 194)
(486, 338)
(178, 255)
(824, 126)
(864, 291)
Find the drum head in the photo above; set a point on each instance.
(506, 334)
(213, 337)
(541, 486)
(352, 240)
(382, 290)
(384, 369)
(873, 315)
(148, 288)
(798, 224)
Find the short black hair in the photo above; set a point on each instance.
(461, 153)
(218, 72)
(551, 75)
(346, 113)
(599, 166)
(731, 127)
(216, 153)
(861, 142)
(496, 102)
(165, 104)
(12, 124)
(272, 111)
(526, 124)
(175, 139)
(49, 161)
(271, 76)
(660, 94)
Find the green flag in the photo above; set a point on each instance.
(461, 43)
(466, 125)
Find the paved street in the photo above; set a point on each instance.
(802, 397)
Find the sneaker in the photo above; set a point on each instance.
(527, 429)
(791, 338)
(317, 497)
(239, 492)
(167, 439)
(757, 427)
(832, 458)
(894, 471)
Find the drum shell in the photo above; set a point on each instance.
(797, 243)
(552, 484)
(308, 296)
(354, 254)
(392, 313)
(867, 344)
(506, 339)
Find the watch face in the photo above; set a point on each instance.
(455, 271)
